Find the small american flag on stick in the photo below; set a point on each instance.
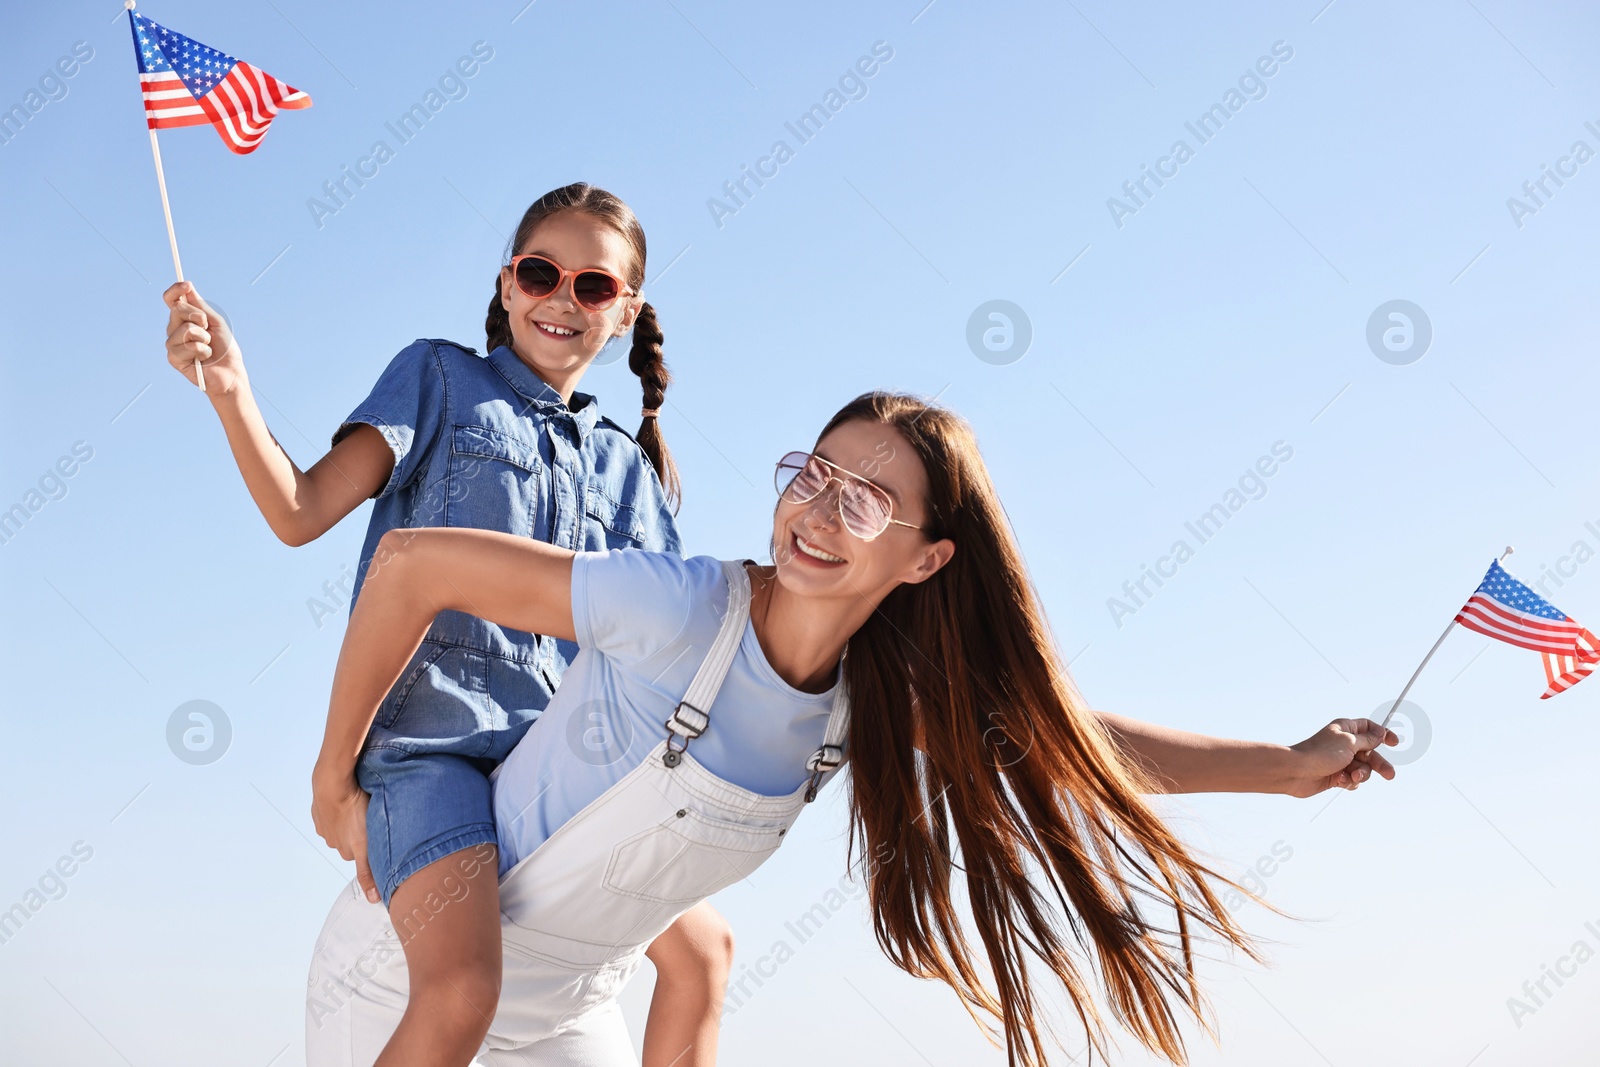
(186, 83)
(1506, 610)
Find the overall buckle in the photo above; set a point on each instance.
(822, 760)
(686, 729)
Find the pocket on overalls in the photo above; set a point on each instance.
(573, 907)
(493, 481)
(686, 859)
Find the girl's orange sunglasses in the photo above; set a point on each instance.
(539, 276)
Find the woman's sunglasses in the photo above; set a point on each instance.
(539, 276)
(864, 508)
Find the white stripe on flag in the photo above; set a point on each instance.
(266, 99)
(253, 120)
(224, 104)
(242, 107)
(1523, 618)
(1474, 617)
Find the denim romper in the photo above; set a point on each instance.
(482, 443)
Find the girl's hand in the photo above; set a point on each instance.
(1343, 754)
(339, 812)
(195, 331)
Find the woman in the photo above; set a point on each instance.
(896, 581)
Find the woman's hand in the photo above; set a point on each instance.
(339, 812)
(1343, 753)
(196, 331)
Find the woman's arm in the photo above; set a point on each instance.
(415, 574)
(1341, 754)
(299, 506)
(508, 580)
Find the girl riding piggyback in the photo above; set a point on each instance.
(501, 442)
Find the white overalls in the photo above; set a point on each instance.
(578, 913)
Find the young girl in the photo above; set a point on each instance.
(504, 443)
(898, 583)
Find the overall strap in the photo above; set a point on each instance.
(831, 754)
(692, 715)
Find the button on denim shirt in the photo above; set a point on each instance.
(485, 443)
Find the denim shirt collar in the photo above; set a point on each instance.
(541, 397)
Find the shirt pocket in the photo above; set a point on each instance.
(493, 482)
(610, 524)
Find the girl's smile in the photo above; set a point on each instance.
(555, 329)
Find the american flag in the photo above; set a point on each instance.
(186, 83)
(1507, 610)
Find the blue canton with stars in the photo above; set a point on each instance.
(159, 50)
(1498, 585)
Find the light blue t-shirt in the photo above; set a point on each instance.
(644, 622)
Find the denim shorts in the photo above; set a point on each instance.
(449, 721)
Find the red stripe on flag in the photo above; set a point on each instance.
(1564, 672)
(244, 107)
(231, 111)
(168, 102)
(168, 122)
(1474, 617)
(281, 95)
(1523, 619)
(266, 87)
(224, 123)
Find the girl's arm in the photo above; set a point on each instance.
(1343, 754)
(513, 581)
(299, 506)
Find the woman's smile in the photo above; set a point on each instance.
(805, 549)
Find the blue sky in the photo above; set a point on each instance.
(1175, 341)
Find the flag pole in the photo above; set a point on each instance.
(166, 209)
(1429, 656)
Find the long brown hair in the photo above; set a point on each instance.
(644, 358)
(1043, 807)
